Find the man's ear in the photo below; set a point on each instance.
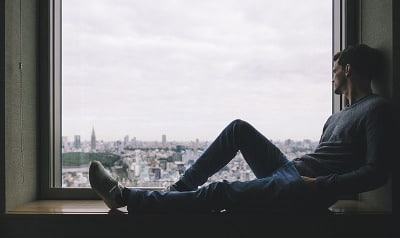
(348, 70)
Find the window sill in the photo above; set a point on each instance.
(65, 207)
(91, 218)
(98, 207)
(356, 207)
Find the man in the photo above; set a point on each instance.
(352, 157)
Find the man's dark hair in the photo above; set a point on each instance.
(363, 59)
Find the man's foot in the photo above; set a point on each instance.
(105, 186)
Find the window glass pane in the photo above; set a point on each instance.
(147, 85)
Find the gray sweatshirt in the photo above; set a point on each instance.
(353, 155)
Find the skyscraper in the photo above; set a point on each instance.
(77, 141)
(93, 141)
(196, 147)
(126, 140)
(65, 144)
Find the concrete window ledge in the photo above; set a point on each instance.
(98, 207)
(92, 218)
(65, 207)
(356, 207)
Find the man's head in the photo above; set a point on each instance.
(359, 62)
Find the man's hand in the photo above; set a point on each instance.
(310, 181)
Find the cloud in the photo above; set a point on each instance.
(143, 67)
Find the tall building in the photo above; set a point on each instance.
(77, 141)
(196, 147)
(93, 141)
(164, 140)
(65, 144)
(126, 140)
(133, 142)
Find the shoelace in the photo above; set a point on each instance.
(113, 188)
(110, 183)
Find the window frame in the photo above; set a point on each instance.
(49, 109)
(49, 138)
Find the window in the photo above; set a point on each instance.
(146, 87)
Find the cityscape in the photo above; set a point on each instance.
(153, 164)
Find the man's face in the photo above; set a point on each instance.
(339, 78)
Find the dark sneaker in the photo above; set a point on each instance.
(105, 186)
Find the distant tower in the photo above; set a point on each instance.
(77, 141)
(65, 144)
(126, 140)
(196, 147)
(93, 141)
(164, 140)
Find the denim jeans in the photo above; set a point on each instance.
(278, 187)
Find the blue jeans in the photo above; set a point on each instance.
(278, 187)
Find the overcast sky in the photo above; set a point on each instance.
(186, 68)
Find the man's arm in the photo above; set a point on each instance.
(375, 171)
(364, 179)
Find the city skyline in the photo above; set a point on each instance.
(163, 138)
(155, 163)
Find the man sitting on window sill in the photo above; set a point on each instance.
(353, 156)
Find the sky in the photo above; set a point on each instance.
(187, 68)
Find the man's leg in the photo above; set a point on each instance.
(283, 191)
(262, 156)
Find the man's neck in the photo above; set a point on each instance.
(357, 89)
(356, 94)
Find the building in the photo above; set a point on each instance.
(164, 140)
(93, 141)
(65, 144)
(77, 142)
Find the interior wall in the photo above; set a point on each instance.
(2, 104)
(376, 28)
(396, 84)
(20, 102)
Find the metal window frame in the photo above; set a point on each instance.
(49, 138)
(345, 31)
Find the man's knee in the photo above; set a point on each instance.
(239, 123)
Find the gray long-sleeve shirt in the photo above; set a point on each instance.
(353, 155)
